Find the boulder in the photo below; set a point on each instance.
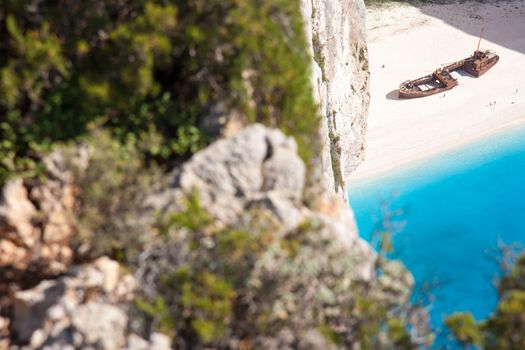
(84, 308)
(99, 325)
(231, 173)
(36, 222)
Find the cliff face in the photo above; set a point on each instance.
(335, 32)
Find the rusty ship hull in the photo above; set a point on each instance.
(441, 80)
(479, 64)
(428, 85)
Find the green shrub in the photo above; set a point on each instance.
(111, 218)
(148, 71)
(464, 328)
(505, 327)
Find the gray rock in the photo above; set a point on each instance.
(283, 211)
(160, 342)
(277, 140)
(226, 173)
(229, 167)
(284, 172)
(233, 172)
(259, 168)
(137, 343)
(83, 309)
(157, 341)
(101, 325)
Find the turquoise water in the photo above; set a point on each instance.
(454, 209)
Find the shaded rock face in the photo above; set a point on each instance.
(335, 31)
(35, 223)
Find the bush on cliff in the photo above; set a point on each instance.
(111, 218)
(148, 71)
(244, 287)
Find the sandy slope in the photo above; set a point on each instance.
(411, 42)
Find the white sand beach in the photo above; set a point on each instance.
(407, 42)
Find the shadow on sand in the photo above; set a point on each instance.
(501, 20)
(393, 95)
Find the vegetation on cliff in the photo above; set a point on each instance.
(253, 282)
(244, 286)
(150, 72)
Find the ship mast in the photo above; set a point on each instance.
(479, 42)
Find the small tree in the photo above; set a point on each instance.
(505, 328)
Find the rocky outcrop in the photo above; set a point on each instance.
(258, 168)
(253, 182)
(35, 223)
(255, 171)
(87, 308)
(335, 31)
(257, 164)
(70, 302)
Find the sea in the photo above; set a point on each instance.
(452, 215)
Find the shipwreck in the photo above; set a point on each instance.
(441, 80)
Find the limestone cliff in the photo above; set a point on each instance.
(335, 32)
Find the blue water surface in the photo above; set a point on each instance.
(455, 208)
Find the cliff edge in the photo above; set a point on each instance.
(335, 32)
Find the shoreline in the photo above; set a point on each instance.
(406, 41)
(370, 174)
(454, 161)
